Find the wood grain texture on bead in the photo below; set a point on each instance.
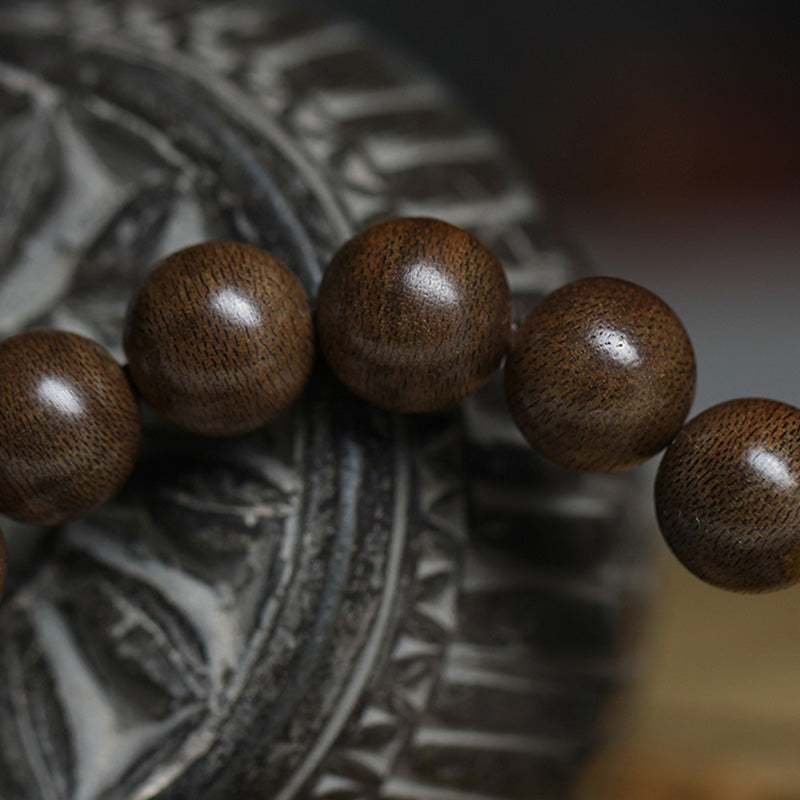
(728, 495)
(219, 338)
(601, 375)
(414, 314)
(69, 426)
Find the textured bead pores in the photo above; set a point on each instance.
(601, 375)
(414, 314)
(219, 338)
(69, 426)
(728, 495)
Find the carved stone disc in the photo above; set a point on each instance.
(350, 604)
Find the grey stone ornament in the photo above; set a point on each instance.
(349, 605)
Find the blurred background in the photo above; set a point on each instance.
(666, 140)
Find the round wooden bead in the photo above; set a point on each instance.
(601, 375)
(219, 338)
(69, 426)
(728, 495)
(414, 314)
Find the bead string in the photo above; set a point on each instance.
(412, 315)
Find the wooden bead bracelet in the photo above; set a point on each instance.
(412, 315)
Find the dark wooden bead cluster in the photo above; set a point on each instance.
(219, 340)
(413, 315)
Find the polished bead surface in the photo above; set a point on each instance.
(219, 338)
(601, 375)
(69, 426)
(728, 495)
(414, 314)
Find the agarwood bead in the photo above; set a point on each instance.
(3, 563)
(414, 314)
(601, 375)
(728, 495)
(219, 338)
(69, 426)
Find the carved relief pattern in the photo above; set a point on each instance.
(308, 613)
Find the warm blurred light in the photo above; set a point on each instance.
(661, 125)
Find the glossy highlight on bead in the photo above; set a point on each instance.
(601, 375)
(219, 338)
(69, 426)
(414, 314)
(728, 495)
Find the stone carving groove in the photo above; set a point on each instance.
(334, 608)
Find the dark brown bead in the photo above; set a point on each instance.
(69, 426)
(728, 495)
(3, 563)
(219, 338)
(414, 314)
(601, 375)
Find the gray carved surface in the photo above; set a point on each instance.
(349, 605)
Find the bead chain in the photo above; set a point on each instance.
(413, 315)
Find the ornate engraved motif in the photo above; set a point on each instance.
(313, 612)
